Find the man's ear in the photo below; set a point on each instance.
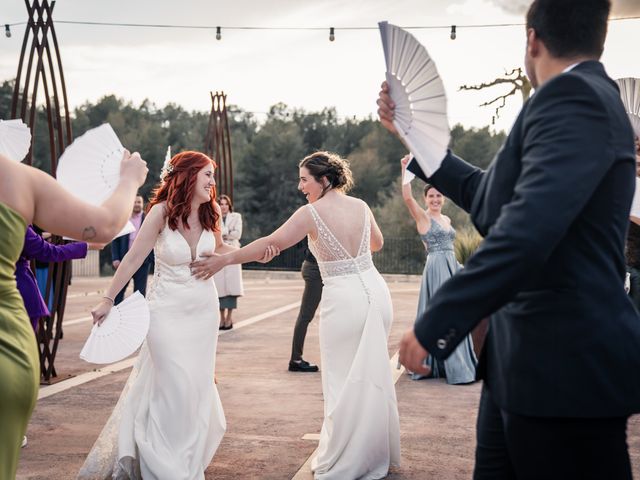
(533, 43)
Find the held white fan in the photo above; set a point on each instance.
(121, 333)
(90, 167)
(15, 139)
(630, 94)
(418, 93)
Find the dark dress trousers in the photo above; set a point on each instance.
(119, 248)
(564, 338)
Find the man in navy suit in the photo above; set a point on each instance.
(121, 245)
(561, 360)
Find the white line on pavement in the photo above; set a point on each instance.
(83, 378)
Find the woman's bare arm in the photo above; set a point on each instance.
(290, 233)
(377, 240)
(59, 212)
(142, 246)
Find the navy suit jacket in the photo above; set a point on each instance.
(120, 247)
(564, 338)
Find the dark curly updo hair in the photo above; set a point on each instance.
(332, 166)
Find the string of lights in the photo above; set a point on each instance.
(454, 29)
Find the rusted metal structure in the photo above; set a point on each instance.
(40, 68)
(218, 143)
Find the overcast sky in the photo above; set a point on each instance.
(300, 68)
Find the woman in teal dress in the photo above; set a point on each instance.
(28, 195)
(438, 235)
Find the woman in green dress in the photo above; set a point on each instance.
(28, 195)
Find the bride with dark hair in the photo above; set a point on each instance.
(360, 435)
(169, 421)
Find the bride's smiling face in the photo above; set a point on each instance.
(204, 184)
(309, 186)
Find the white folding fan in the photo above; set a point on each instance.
(418, 93)
(121, 333)
(90, 167)
(15, 139)
(630, 94)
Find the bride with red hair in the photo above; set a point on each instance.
(169, 421)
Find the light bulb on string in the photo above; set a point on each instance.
(453, 32)
(332, 34)
(218, 33)
(7, 30)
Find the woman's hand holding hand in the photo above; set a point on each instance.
(269, 254)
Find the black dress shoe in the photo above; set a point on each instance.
(302, 366)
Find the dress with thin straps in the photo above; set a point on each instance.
(441, 265)
(360, 436)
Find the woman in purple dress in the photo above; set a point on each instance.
(37, 248)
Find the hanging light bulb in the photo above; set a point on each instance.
(218, 33)
(7, 30)
(332, 34)
(453, 32)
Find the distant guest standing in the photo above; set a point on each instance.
(311, 297)
(229, 279)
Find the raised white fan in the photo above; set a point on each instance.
(15, 139)
(121, 333)
(418, 93)
(630, 94)
(89, 168)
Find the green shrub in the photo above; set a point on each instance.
(467, 242)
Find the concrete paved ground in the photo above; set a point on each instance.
(273, 416)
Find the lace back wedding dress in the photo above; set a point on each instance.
(360, 434)
(168, 421)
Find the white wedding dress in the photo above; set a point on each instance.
(360, 435)
(168, 421)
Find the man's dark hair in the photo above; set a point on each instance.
(570, 28)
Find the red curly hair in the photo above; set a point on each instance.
(177, 188)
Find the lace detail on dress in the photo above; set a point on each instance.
(102, 462)
(333, 259)
(438, 239)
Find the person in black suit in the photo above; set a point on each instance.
(120, 246)
(561, 359)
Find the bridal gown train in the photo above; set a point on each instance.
(360, 435)
(168, 421)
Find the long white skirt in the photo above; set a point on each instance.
(168, 421)
(360, 436)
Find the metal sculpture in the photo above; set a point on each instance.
(40, 65)
(218, 143)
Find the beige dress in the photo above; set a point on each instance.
(229, 279)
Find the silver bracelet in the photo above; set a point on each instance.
(113, 302)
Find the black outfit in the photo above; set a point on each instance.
(310, 301)
(564, 338)
(119, 248)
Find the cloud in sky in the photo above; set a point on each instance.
(258, 68)
(618, 7)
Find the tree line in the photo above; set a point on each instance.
(266, 153)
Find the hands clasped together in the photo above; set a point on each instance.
(212, 263)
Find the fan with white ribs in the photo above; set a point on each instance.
(418, 94)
